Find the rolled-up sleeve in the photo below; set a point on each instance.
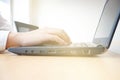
(3, 39)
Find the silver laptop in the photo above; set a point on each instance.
(101, 41)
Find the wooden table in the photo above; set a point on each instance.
(103, 67)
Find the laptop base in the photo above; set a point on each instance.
(57, 51)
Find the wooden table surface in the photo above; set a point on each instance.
(103, 67)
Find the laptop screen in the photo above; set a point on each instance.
(108, 23)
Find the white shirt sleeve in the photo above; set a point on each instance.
(5, 25)
(3, 39)
(4, 31)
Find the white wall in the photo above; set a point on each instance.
(21, 10)
(78, 18)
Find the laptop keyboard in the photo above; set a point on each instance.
(83, 45)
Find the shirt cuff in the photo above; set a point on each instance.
(3, 39)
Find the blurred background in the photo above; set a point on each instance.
(79, 18)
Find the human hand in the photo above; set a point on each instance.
(43, 36)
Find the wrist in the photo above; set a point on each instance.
(13, 40)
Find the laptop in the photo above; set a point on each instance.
(101, 41)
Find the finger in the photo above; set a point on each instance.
(59, 40)
(59, 33)
(53, 40)
(63, 35)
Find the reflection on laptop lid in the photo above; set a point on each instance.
(107, 23)
(102, 39)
